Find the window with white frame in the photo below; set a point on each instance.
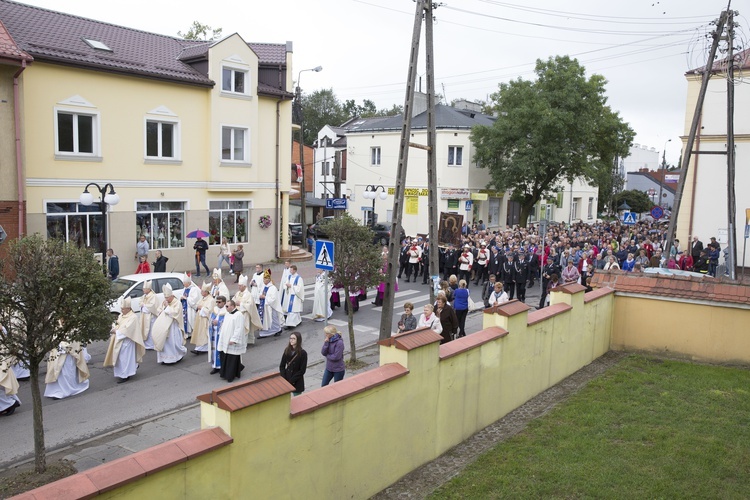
(75, 223)
(455, 156)
(591, 208)
(234, 80)
(227, 219)
(161, 222)
(77, 133)
(325, 168)
(375, 155)
(233, 144)
(162, 140)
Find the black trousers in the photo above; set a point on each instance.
(521, 291)
(464, 275)
(461, 314)
(482, 274)
(510, 289)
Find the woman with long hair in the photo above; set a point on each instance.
(294, 363)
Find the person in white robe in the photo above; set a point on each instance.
(232, 343)
(149, 311)
(67, 371)
(19, 369)
(203, 311)
(219, 287)
(257, 278)
(321, 305)
(294, 298)
(168, 330)
(191, 294)
(268, 302)
(126, 349)
(214, 321)
(8, 387)
(284, 277)
(245, 303)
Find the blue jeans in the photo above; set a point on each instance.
(328, 376)
(224, 258)
(198, 262)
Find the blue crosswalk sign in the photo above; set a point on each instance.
(324, 255)
(628, 218)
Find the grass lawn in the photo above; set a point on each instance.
(648, 428)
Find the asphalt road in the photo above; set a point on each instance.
(157, 389)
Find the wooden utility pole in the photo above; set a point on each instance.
(694, 129)
(394, 245)
(431, 159)
(731, 203)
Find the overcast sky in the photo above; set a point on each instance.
(642, 47)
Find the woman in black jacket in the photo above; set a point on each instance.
(294, 363)
(448, 318)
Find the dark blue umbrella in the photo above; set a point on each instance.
(198, 233)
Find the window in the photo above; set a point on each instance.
(233, 80)
(76, 224)
(227, 219)
(455, 156)
(326, 168)
(375, 152)
(77, 133)
(233, 144)
(161, 140)
(161, 222)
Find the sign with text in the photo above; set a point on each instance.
(336, 203)
(411, 191)
(411, 205)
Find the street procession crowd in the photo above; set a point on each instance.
(502, 264)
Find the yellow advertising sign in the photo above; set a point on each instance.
(747, 216)
(411, 205)
(410, 191)
(479, 196)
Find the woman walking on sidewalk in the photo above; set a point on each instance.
(294, 363)
(333, 350)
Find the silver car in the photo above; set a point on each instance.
(132, 286)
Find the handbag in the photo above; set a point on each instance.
(472, 305)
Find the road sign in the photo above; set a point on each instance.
(469, 203)
(336, 203)
(651, 192)
(628, 218)
(657, 212)
(324, 255)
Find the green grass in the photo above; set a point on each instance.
(648, 428)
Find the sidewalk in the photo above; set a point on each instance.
(111, 446)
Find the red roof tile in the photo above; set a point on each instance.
(597, 294)
(469, 342)
(8, 47)
(411, 340)
(570, 288)
(250, 392)
(508, 309)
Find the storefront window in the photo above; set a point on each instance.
(76, 223)
(162, 223)
(227, 219)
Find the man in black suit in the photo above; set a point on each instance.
(450, 266)
(509, 275)
(403, 258)
(522, 275)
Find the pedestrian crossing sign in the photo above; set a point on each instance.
(324, 255)
(628, 218)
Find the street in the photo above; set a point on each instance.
(157, 389)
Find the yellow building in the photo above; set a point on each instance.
(190, 134)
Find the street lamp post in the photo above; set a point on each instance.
(663, 171)
(302, 195)
(108, 197)
(370, 194)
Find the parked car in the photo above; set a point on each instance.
(295, 234)
(132, 286)
(318, 230)
(383, 234)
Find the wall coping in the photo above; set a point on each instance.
(412, 339)
(117, 473)
(241, 395)
(547, 313)
(597, 294)
(318, 398)
(508, 309)
(463, 344)
(570, 288)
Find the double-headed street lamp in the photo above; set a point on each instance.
(108, 197)
(300, 118)
(370, 194)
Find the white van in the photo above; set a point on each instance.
(132, 286)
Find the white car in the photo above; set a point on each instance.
(132, 286)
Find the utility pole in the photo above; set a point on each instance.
(431, 140)
(716, 34)
(731, 203)
(394, 245)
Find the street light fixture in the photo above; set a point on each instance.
(371, 192)
(663, 171)
(298, 99)
(108, 197)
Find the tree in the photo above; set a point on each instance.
(358, 262)
(198, 31)
(549, 132)
(319, 109)
(638, 200)
(50, 292)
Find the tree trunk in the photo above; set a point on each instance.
(352, 342)
(40, 454)
(526, 208)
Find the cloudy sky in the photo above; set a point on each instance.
(642, 47)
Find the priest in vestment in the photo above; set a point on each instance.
(149, 312)
(67, 371)
(294, 298)
(191, 294)
(214, 329)
(126, 347)
(232, 343)
(8, 387)
(203, 311)
(168, 331)
(269, 307)
(321, 305)
(219, 287)
(245, 303)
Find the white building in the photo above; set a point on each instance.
(639, 157)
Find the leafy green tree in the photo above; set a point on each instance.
(549, 132)
(198, 31)
(358, 262)
(50, 292)
(319, 109)
(638, 200)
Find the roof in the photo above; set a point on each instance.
(8, 47)
(742, 59)
(269, 53)
(648, 175)
(241, 395)
(446, 117)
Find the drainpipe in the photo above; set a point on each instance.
(278, 193)
(19, 162)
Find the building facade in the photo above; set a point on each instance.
(191, 135)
